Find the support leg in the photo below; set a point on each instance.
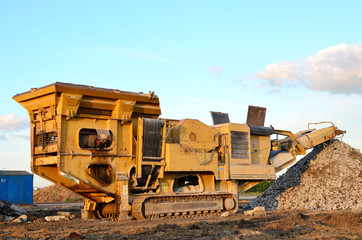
(88, 210)
(122, 197)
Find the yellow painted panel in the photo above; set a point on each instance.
(227, 128)
(48, 149)
(181, 157)
(195, 134)
(32, 104)
(52, 160)
(260, 149)
(317, 137)
(253, 171)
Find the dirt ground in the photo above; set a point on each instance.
(320, 179)
(277, 224)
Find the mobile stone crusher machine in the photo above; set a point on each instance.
(111, 148)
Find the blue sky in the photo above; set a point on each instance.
(300, 59)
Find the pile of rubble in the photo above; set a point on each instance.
(11, 212)
(55, 193)
(328, 178)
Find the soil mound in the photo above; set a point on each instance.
(55, 193)
(328, 178)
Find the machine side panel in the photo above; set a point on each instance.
(192, 146)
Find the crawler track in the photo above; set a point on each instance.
(182, 206)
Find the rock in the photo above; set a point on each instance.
(21, 219)
(17, 209)
(65, 214)
(257, 212)
(55, 218)
(225, 214)
(8, 218)
(76, 215)
(8, 211)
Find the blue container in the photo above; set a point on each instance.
(16, 187)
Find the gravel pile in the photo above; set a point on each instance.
(328, 178)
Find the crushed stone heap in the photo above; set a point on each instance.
(55, 193)
(328, 178)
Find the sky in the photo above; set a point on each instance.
(302, 60)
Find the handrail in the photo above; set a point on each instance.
(320, 123)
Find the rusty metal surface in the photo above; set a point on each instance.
(256, 116)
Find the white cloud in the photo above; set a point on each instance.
(336, 69)
(279, 72)
(216, 70)
(11, 122)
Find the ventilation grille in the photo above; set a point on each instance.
(239, 145)
(152, 137)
